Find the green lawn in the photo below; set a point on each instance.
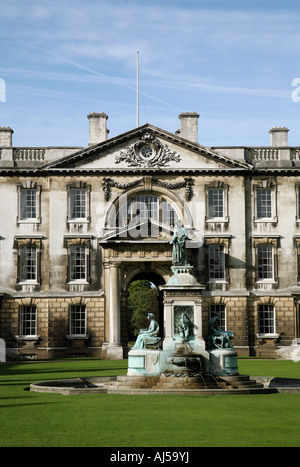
(46, 420)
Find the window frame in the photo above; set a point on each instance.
(212, 195)
(264, 203)
(297, 248)
(220, 187)
(22, 191)
(274, 242)
(28, 272)
(73, 320)
(20, 243)
(272, 188)
(71, 191)
(83, 243)
(75, 270)
(23, 327)
(261, 275)
(220, 250)
(297, 216)
(224, 241)
(262, 332)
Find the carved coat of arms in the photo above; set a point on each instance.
(148, 152)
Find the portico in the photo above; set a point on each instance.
(122, 264)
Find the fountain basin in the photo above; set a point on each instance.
(165, 384)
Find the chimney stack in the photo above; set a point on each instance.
(189, 126)
(98, 131)
(279, 136)
(6, 137)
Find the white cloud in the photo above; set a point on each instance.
(189, 56)
(114, 30)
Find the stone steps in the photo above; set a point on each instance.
(185, 382)
(164, 382)
(238, 382)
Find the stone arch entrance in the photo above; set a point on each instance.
(157, 280)
(121, 265)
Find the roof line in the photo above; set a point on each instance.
(196, 147)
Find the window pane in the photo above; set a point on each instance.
(221, 310)
(264, 203)
(28, 204)
(123, 216)
(27, 321)
(168, 214)
(216, 262)
(215, 203)
(78, 320)
(145, 207)
(266, 319)
(77, 263)
(78, 203)
(265, 261)
(28, 266)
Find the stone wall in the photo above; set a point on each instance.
(243, 321)
(52, 339)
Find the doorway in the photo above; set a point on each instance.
(156, 280)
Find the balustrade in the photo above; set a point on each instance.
(29, 154)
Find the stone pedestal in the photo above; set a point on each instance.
(183, 302)
(144, 362)
(223, 362)
(114, 351)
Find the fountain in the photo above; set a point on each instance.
(183, 362)
(184, 359)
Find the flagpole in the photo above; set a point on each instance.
(137, 93)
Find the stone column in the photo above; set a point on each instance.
(198, 319)
(105, 285)
(168, 321)
(114, 349)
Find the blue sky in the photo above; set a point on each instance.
(233, 62)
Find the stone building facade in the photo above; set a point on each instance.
(78, 224)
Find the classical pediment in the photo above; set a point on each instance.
(146, 148)
(139, 230)
(145, 232)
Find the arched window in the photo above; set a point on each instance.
(146, 206)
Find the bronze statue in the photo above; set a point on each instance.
(148, 336)
(179, 248)
(217, 338)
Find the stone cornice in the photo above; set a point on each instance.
(48, 172)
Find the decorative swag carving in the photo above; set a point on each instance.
(188, 183)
